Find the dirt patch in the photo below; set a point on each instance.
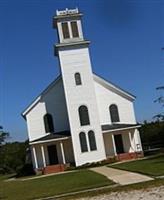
(156, 193)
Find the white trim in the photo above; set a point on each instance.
(50, 140)
(78, 42)
(70, 30)
(62, 151)
(121, 129)
(114, 146)
(134, 142)
(131, 143)
(140, 144)
(35, 157)
(43, 156)
(31, 106)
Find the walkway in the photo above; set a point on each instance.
(120, 176)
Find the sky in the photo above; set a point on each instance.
(126, 40)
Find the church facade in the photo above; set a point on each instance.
(80, 117)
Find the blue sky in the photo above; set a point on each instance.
(126, 41)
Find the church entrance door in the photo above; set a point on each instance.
(52, 154)
(119, 144)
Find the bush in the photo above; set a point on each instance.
(94, 164)
(26, 170)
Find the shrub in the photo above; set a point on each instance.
(26, 170)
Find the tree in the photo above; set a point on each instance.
(152, 134)
(160, 100)
(3, 135)
(12, 156)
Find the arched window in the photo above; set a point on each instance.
(83, 142)
(114, 113)
(48, 123)
(92, 141)
(83, 115)
(78, 79)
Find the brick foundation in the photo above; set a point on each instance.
(129, 156)
(53, 169)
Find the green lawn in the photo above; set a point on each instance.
(153, 166)
(52, 185)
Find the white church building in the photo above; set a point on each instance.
(80, 117)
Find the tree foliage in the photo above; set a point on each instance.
(3, 135)
(12, 156)
(160, 100)
(152, 134)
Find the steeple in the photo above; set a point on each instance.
(76, 70)
(69, 28)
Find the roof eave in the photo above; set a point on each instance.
(69, 45)
(50, 140)
(121, 129)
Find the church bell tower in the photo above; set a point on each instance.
(72, 51)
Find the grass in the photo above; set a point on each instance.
(153, 166)
(80, 180)
(5, 177)
(51, 185)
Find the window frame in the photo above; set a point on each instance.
(84, 115)
(48, 123)
(114, 114)
(77, 77)
(66, 35)
(77, 35)
(92, 140)
(83, 142)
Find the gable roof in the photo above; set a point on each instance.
(107, 84)
(113, 87)
(37, 99)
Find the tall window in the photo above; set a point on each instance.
(92, 141)
(83, 115)
(83, 142)
(74, 27)
(65, 30)
(114, 113)
(48, 123)
(77, 79)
